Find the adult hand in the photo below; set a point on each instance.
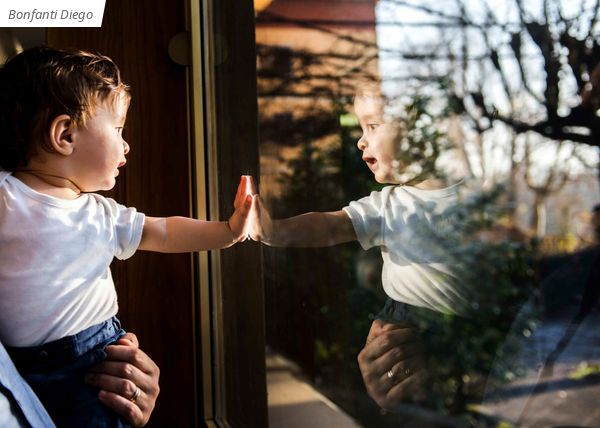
(126, 369)
(391, 364)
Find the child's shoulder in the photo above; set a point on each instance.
(432, 190)
(3, 176)
(377, 196)
(105, 201)
(112, 207)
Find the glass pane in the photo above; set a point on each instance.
(471, 129)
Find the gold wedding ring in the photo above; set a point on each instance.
(136, 394)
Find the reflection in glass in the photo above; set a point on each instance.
(467, 97)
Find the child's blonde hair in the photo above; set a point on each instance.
(369, 89)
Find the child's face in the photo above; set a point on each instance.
(379, 142)
(99, 146)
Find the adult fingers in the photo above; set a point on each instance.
(133, 356)
(127, 409)
(125, 388)
(385, 340)
(401, 370)
(375, 330)
(126, 370)
(131, 338)
(405, 356)
(411, 388)
(130, 393)
(380, 326)
(109, 375)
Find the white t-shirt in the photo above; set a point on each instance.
(416, 271)
(55, 254)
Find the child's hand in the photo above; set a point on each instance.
(239, 220)
(261, 225)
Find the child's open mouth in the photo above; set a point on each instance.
(119, 166)
(370, 162)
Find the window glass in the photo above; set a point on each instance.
(454, 145)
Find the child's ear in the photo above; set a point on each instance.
(61, 134)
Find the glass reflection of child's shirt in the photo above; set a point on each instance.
(406, 223)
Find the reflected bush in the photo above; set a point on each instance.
(497, 272)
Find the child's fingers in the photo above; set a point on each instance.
(251, 185)
(256, 203)
(247, 205)
(241, 190)
(259, 204)
(265, 217)
(238, 222)
(244, 208)
(255, 230)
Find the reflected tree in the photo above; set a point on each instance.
(543, 65)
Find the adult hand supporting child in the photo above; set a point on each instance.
(391, 364)
(126, 369)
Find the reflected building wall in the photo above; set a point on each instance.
(311, 55)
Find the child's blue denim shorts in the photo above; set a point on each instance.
(56, 373)
(394, 311)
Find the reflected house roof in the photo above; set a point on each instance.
(322, 42)
(357, 14)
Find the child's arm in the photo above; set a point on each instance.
(314, 229)
(182, 234)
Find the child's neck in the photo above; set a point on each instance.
(48, 183)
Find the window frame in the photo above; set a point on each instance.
(225, 132)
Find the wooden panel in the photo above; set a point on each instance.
(155, 291)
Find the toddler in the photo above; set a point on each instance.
(404, 221)
(62, 115)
